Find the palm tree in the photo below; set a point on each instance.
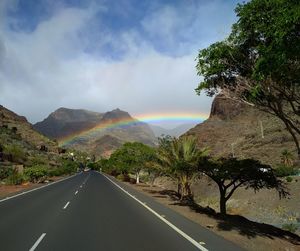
(179, 158)
(287, 158)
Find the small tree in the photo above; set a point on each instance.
(287, 158)
(179, 158)
(230, 174)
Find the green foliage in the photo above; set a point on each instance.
(259, 62)
(287, 158)
(290, 227)
(5, 172)
(289, 179)
(17, 153)
(283, 171)
(35, 173)
(15, 179)
(179, 157)
(123, 177)
(68, 167)
(132, 157)
(230, 174)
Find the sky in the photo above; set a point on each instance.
(135, 55)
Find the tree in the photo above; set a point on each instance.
(287, 158)
(179, 158)
(230, 174)
(259, 63)
(132, 157)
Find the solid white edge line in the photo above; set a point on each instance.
(183, 234)
(66, 205)
(32, 190)
(37, 242)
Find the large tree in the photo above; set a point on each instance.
(259, 63)
(179, 158)
(230, 174)
(132, 157)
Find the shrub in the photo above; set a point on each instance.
(291, 227)
(123, 177)
(283, 171)
(5, 172)
(17, 153)
(15, 179)
(289, 179)
(35, 173)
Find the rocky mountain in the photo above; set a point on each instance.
(97, 133)
(237, 129)
(64, 122)
(175, 132)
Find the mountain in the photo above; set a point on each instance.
(64, 122)
(96, 133)
(237, 129)
(175, 132)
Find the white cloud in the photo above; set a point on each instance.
(48, 68)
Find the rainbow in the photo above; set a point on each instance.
(123, 123)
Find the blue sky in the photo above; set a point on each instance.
(99, 55)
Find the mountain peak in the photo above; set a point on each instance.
(116, 114)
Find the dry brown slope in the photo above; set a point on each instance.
(236, 128)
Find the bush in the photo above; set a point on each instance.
(17, 153)
(15, 179)
(289, 179)
(35, 173)
(5, 172)
(123, 177)
(291, 227)
(283, 171)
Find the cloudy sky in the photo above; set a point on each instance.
(136, 55)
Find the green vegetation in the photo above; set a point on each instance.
(292, 227)
(283, 171)
(36, 173)
(15, 153)
(259, 62)
(131, 157)
(230, 174)
(181, 160)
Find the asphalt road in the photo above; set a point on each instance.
(90, 211)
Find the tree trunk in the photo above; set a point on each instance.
(223, 201)
(137, 175)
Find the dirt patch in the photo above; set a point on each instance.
(245, 233)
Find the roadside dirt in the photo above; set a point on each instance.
(247, 234)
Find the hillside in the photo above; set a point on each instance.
(96, 133)
(23, 130)
(236, 128)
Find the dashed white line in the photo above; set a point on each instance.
(37, 242)
(76, 192)
(183, 234)
(29, 191)
(66, 205)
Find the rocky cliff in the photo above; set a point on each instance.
(243, 131)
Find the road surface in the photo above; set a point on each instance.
(90, 211)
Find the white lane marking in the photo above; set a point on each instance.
(76, 192)
(183, 234)
(32, 190)
(66, 205)
(37, 242)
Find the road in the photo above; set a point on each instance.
(90, 211)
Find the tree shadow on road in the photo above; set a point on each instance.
(238, 223)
